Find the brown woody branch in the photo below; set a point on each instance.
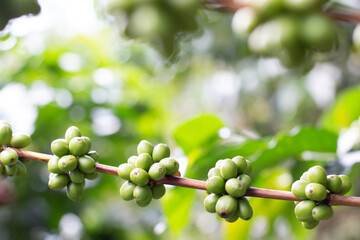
(334, 199)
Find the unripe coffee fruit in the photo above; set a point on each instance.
(215, 185)
(226, 206)
(322, 212)
(298, 189)
(127, 191)
(139, 176)
(11, 170)
(158, 191)
(21, 169)
(334, 183)
(210, 202)
(145, 147)
(72, 132)
(5, 133)
(53, 165)
(59, 147)
(345, 184)
(94, 155)
(228, 169)
(240, 163)
(91, 176)
(142, 194)
(244, 209)
(76, 176)
(124, 170)
(144, 161)
(75, 191)
(310, 224)
(9, 156)
(160, 151)
(87, 164)
(235, 187)
(67, 163)
(156, 171)
(303, 211)
(315, 191)
(171, 165)
(20, 140)
(214, 172)
(317, 174)
(245, 179)
(58, 181)
(87, 140)
(78, 146)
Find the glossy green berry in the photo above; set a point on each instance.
(11, 170)
(248, 168)
(5, 133)
(78, 146)
(244, 209)
(142, 194)
(235, 187)
(245, 180)
(214, 172)
(127, 191)
(53, 164)
(334, 183)
(124, 170)
(21, 169)
(87, 140)
(298, 189)
(233, 218)
(218, 163)
(228, 169)
(94, 155)
(145, 147)
(226, 206)
(76, 176)
(67, 163)
(240, 163)
(157, 172)
(9, 156)
(317, 174)
(215, 185)
(310, 224)
(87, 164)
(132, 160)
(58, 181)
(72, 132)
(139, 176)
(210, 202)
(345, 184)
(91, 176)
(143, 203)
(75, 191)
(315, 191)
(160, 151)
(304, 177)
(59, 147)
(20, 140)
(158, 191)
(171, 165)
(144, 161)
(322, 212)
(303, 211)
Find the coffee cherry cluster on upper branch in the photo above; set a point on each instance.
(226, 184)
(291, 30)
(10, 163)
(141, 172)
(314, 187)
(160, 22)
(72, 163)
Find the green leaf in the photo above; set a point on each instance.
(197, 132)
(176, 206)
(344, 111)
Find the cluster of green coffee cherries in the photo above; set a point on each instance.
(141, 173)
(72, 163)
(10, 163)
(226, 185)
(314, 187)
(291, 30)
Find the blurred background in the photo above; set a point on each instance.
(176, 73)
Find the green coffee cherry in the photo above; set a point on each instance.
(315, 191)
(76, 176)
(215, 185)
(345, 184)
(91, 176)
(214, 172)
(94, 155)
(304, 177)
(139, 176)
(88, 144)
(11, 170)
(235, 187)
(127, 191)
(9, 156)
(226, 206)
(218, 163)
(71, 133)
(170, 164)
(244, 209)
(158, 191)
(53, 165)
(124, 170)
(248, 168)
(310, 224)
(75, 191)
(240, 163)
(334, 183)
(20, 140)
(67, 163)
(78, 146)
(322, 212)
(59, 147)
(157, 172)
(87, 164)
(21, 169)
(317, 174)
(298, 189)
(143, 203)
(145, 147)
(144, 161)
(160, 151)
(233, 218)
(132, 160)
(210, 202)
(228, 169)
(245, 180)
(58, 181)
(303, 211)
(142, 194)
(5, 133)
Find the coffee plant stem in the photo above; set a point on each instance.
(334, 199)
